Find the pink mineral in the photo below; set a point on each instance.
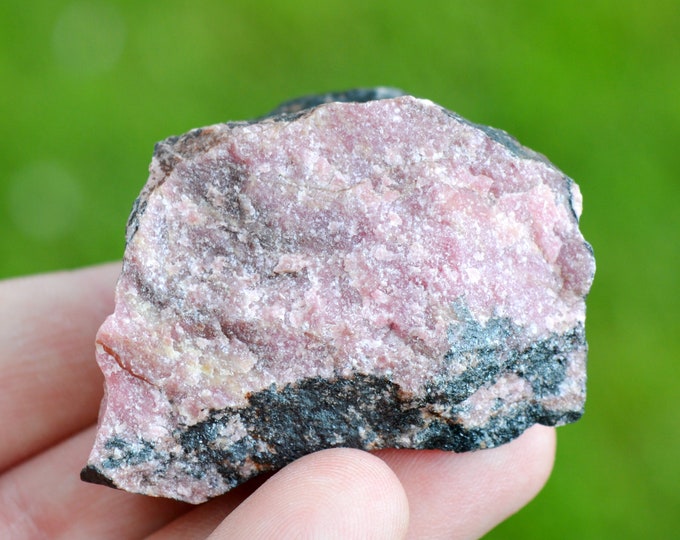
(364, 269)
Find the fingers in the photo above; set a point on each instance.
(45, 498)
(50, 385)
(466, 495)
(339, 493)
(449, 495)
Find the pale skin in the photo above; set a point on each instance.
(50, 390)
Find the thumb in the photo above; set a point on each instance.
(337, 493)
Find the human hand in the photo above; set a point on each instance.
(50, 389)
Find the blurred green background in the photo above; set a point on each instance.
(87, 87)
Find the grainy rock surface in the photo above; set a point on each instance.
(364, 269)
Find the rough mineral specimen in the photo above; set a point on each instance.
(364, 269)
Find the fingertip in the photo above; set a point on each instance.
(521, 470)
(336, 493)
(539, 456)
(465, 495)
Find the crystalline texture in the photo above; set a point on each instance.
(364, 269)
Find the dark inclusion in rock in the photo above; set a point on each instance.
(361, 269)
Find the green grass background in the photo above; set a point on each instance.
(87, 87)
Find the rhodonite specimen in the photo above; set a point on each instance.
(364, 269)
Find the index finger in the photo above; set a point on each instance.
(50, 385)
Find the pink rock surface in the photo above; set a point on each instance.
(370, 274)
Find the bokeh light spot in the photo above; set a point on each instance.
(44, 201)
(88, 37)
